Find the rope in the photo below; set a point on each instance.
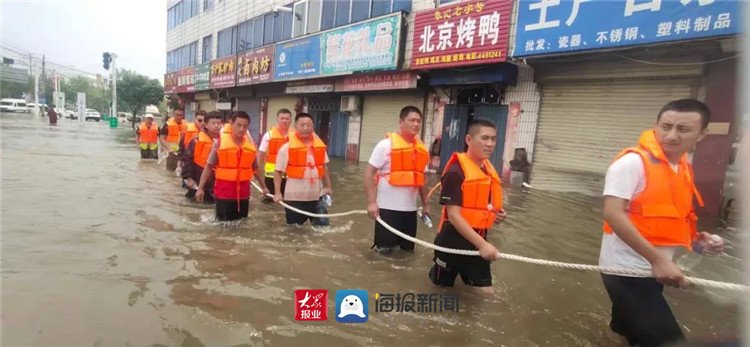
(573, 266)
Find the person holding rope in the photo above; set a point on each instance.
(472, 202)
(196, 153)
(648, 213)
(232, 162)
(397, 166)
(304, 160)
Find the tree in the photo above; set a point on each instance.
(136, 91)
(96, 97)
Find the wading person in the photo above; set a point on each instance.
(232, 162)
(394, 178)
(196, 153)
(648, 213)
(472, 202)
(191, 131)
(269, 149)
(170, 136)
(304, 160)
(147, 137)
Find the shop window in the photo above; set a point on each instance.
(401, 5)
(286, 25)
(342, 12)
(268, 28)
(245, 36)
(328, 14)
(227, 42)
(360, 10)
(313, 16)
(206, 49)
(380, 7)
(299, 19)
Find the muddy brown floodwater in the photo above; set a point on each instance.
(100, 248)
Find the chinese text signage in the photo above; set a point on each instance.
(170, 83)
(297, 59)
(311, 305)
(468, 33)
(223, 72)
(255, 66)
(186, 80)
(553, 26)
(380, 81)
(372, 45)
(202, 76)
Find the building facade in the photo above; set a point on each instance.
(568, 84)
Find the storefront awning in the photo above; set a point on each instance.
(505, 73)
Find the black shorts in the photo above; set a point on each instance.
(307, 206)
(227, 210)
(405, 221)
(272, 188)
(149, 154)
(639, 311)
(474, 270)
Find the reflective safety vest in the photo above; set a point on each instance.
(663, 212)
(148, 135)
(482, 193)
(173, 134)
(408, 161)
(202, 149)
(298, 157)
(191, 131)
(275, 141)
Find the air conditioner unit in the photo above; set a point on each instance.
(349, 103)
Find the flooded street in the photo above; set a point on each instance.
(100, 248)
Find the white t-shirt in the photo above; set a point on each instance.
(308, 188)
(626, 178)
(391, 197)
(264, 142)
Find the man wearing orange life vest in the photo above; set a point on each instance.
(648, 213)
(304, 160)
(472, 203)
(147, 137)
(269, 148)
(170, 136)
(397, 166)
(191, 131)
(232, 163)
(196, 153)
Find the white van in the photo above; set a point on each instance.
(13, 105)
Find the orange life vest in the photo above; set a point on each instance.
(202, 149)
(275, 141)
(148, 135)
(298, 157)
(663, 213)
(191, 131)
(227, 128)
(482, 193)
(235, 163)
(408, 161)
(174, 130)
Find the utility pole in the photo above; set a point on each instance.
(44, 80)
(114, 86)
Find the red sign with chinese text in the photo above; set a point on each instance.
(311, 305)
(186, 80)
(380, 81)
(223, 72)
(170, 83)
(468, 33)
(255, 66)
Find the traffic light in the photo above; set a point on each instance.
(106, 59)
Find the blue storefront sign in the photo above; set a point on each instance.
(558, 26)
(298, 59)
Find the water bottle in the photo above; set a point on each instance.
(427, 220)
(328, 200)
